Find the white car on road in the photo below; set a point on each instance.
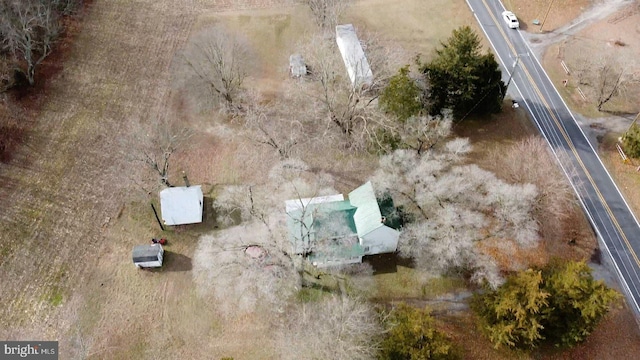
(511, 19)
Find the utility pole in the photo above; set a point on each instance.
(515, 64)
(157, 218)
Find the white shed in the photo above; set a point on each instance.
(353, 56)
(181, 205)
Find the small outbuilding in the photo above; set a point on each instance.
(147, 256)
(297, 67)
(181, 205)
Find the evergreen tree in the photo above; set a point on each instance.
(631, 141)
(560, 305)
(578, 301)
(411, 335)
(402, 96)
(513, 315)
(462, 79)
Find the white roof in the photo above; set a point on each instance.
(353, 55)
(367, 216)
(299, 204)
(181, 205)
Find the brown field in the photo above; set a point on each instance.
(70, 209)
(614, 37)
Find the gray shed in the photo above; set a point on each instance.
(297, 67)
(146, 256)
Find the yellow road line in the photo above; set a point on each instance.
(566, 137)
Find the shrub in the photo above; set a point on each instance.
(411, 335)
(631, 141)
(402, 96)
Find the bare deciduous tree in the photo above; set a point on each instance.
(66, 7)
(422, 133)
(326, 13)
(337, 328)
(29, 28)
(244, 268)
(216, 63)
(261, 242)
(351, 109)
(555, 200)
(155, 146)
(279, 131)
(288, 179)
(609, 81)
(456, 208)
(582, 71)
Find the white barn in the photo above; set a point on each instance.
(353, 56)
(181, 205)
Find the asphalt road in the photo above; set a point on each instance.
(613, 221)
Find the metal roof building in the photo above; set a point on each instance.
(353, 56)
(333, 230)
(181, 205)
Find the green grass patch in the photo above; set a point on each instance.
(411, 283)
(310, 294)
(54, 295)
(400, 284)
(5, 250)
(442, 285)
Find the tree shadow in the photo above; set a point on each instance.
(387, 263)
(176, 262)
(624, 114)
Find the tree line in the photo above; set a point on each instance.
(28, 31)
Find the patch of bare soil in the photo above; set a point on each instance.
(585, 49)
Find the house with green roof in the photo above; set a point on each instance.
(332, 230)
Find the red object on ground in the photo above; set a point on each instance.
(159, 241)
